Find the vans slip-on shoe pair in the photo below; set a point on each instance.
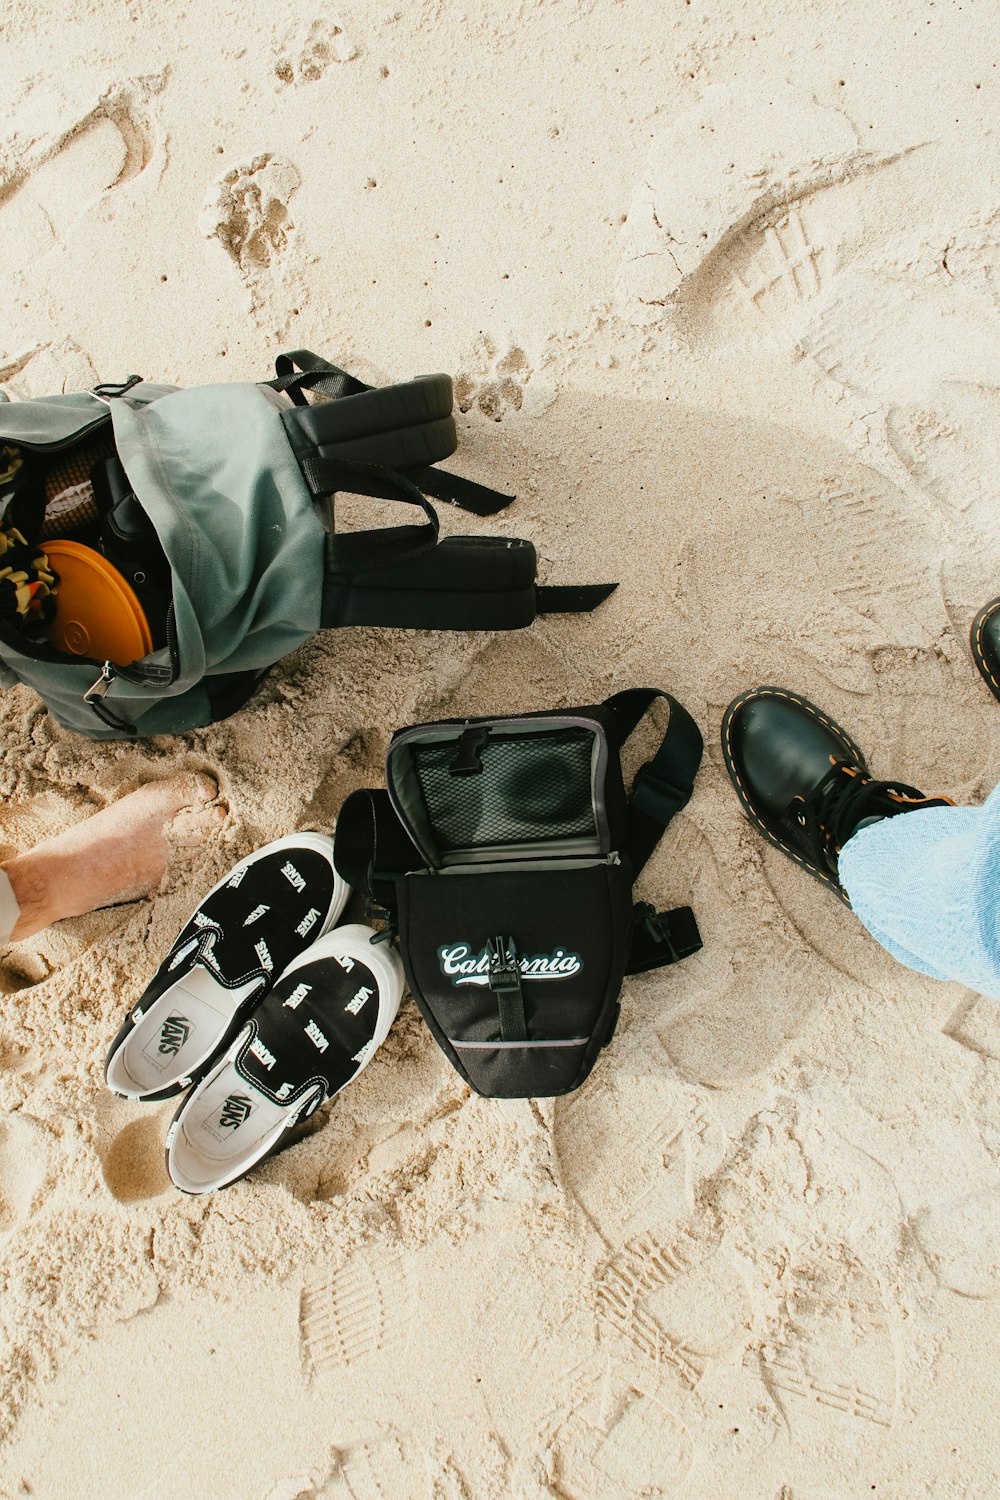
(269, 908)
(311, 1036)
(205, 1015)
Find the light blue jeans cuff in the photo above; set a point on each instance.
(926, 884)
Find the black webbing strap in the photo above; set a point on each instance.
(301, 370)
(357, 551)
(661, 788)
(571, 598)
(505, 986)
(465, 493)
(661, 938)
(664, 784)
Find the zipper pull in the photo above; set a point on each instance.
(98, 690)
(95, 696)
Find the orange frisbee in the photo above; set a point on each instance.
(97, 612)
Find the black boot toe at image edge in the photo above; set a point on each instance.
(984, 641)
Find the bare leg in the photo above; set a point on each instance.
(119, 854)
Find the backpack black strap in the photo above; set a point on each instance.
(357, 551)
(301, 370)
(664, 784)
(571, 598)
(661, 788)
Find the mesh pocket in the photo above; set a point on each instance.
(532, 788)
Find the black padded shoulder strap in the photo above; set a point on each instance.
(361, 550)
(371, 848)
(300, 370)
(661, 788)
(664, 784)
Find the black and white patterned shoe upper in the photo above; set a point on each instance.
(265, 915)
(312, 1033)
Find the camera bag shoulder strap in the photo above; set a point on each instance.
(661, 788)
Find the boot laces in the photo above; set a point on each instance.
(830, 813)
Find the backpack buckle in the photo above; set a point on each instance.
(505, 983)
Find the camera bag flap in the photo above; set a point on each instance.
(505, 850)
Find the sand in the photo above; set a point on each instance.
(718, 287)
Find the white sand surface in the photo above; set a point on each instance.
(718, 284)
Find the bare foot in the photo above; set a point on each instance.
(118, 854)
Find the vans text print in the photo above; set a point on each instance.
(316, 1036)
(263, 953)
(173, 1034)
(257, 912)
(292, 875)
(309, 920)
(235, 1112)
(364, 993)
(261, 1053)
(462, 966)
(297, 996)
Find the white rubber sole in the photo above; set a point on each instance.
(205, 1009)
(199, 1158)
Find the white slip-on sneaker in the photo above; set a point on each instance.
(309, 1037)
(269, 908)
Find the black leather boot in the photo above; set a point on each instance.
(803, 781)
(984, 638)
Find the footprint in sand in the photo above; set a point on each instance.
(47, 193)
(23, 1164)
(386, 1466)
(367, 1306)
(248, 212)
(632, 1150)
(825, 627)
(729, 172)
(960, 1237)
(495, 384)
(307, 53)
(617, 1441)
(831, 1346)
(674, 1298)
(752, 220)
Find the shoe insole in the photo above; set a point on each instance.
(178, 1033)
(226, 1128)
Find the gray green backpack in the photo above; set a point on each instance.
(216, 505)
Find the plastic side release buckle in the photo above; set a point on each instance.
(469, 760)
(504, 974)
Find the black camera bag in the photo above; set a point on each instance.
(504, 851)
